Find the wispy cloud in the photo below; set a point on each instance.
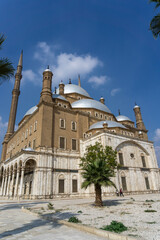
(115, 91)
(157, 143)
(64, 65)
(98, 80)
(3, 129)
(157, 135)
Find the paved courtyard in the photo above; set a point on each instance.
(16, 224)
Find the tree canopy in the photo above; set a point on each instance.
(98, 167)
(155, 22)
(6, 67)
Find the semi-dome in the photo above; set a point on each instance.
(111, 124)
(72, 88)
(121, 118)
(31, 110)
(90, 103)
(59, 97)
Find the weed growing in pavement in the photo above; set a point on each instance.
(50, 206)
(79, 211)
(132, 199)
(115, 227)
(149, 200)
(74, 220)
(150, 222)
(150, 210)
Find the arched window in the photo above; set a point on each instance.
(120, 155)
(74, 185)
(123, 181)
(62, 123)
(73, 126)
(147, 181)
(143, 161)
(61, 184)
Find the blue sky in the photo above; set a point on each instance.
(107, 42)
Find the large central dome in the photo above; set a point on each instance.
(90, 103)
(72, 88)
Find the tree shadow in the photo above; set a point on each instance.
(108, 202)
(45, 219)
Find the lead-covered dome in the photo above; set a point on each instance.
(72, 88)
(122, 118)
(111, 124)
(90, 103)
(31, 110)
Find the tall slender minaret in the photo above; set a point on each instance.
(139, 122)
(14, 103)
(79, 80)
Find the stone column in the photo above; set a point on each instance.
(16, 185)
(1, 191)
(12, 182)
(21, 183)
(4, 189)
(8, 185)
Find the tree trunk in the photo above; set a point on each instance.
(98, 197)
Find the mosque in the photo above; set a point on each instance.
(41, 158)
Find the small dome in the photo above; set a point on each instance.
(111, 124)
(72, 88)
(28, 149)
(31, 110)
(90, 103)
(136, 106)
(121, 118)
(59, 97)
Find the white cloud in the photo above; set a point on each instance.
(70, 65)
(3, 129)
(98, 80)
(63, 65)
(115, 91)
(157, 150)
(157, 135)
(30, 76)
(44, 53)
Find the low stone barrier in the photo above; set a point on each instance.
(84, 228)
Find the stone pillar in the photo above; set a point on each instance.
(21, 182)
(4, 189)
(16, 185)
(12, 184)
(8, 185)
(2, 186)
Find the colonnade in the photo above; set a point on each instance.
(17, 180)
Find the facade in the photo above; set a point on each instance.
(41, 158)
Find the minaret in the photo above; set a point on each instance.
(46, 94)
(139, 121)
(14, 103)
(79, 80)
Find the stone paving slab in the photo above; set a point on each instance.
(18, 225)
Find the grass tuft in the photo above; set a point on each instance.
(115, 227)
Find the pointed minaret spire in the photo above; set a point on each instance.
(79, 80)
(20, 63)
(14, 104)
(119, 112)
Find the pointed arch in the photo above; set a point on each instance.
(132, 142)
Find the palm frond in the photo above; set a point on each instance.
(155, 26)
(2, 39)
(6, 69)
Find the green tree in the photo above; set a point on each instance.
(155, 22)
(98, 167)
(6, 68)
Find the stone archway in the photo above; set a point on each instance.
(29, 172)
